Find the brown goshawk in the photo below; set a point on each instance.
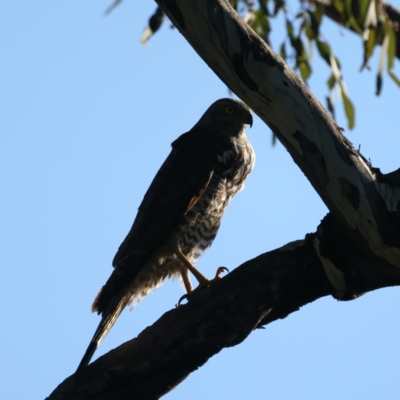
(181, 212)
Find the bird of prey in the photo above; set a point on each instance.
(181, 212)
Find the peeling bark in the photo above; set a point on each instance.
(355, 249)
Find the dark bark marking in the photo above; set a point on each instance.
(313, 159)
(285, 83)
(329, 250)
(353, 259)
(344, 148)
(216, 16)
(238, 66)
(307, 146)
(350, 192)
(260, 54)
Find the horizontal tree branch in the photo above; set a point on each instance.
(260, 291)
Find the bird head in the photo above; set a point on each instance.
(228, 115)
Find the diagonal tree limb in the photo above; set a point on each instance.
(353, 251)
(344, 180)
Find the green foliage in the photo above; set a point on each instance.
(388, 51)
(303, 29)
(304, 33)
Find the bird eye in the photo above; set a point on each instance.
(229, 110)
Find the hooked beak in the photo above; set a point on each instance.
(249, 120)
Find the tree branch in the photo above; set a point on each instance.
(355, 249)
(340, 175)
(260, 291)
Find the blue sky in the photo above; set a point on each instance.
(87, 118)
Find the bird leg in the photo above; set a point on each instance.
(203, 281)
(186, 281)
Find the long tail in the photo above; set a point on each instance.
(108, 319)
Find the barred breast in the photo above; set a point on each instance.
(202, 222)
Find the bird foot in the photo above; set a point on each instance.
(202, 286)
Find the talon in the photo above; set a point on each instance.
(185, 296)
(203, 284)
(220, 270)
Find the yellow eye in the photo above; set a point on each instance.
(229, 110)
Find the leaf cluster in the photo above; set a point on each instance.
(304, 34)
(368, 18)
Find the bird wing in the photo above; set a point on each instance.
(176, 188)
